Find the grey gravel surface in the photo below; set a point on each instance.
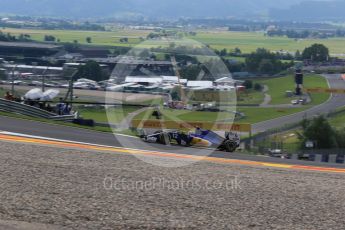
(74, 189)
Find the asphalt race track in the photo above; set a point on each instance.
(82, 135)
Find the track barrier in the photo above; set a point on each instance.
(16, 107)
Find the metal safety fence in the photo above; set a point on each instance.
(27, 110)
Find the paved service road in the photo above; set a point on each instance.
(335, 101)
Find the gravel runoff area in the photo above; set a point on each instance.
(54, 188)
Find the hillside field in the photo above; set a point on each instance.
(246, 41)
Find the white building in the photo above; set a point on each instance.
(170, 79)
(144, 80)
(224, 81)
(183, 81)
(118, 88)
(200, 84)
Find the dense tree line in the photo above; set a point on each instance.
(340, 33)
(322, 134)
(49, 38)
(120, 50)
(65, 25)
(265, 62)
(71, 47)
(261, 61)
(234, 52)
(52, 24)
(191, 72)
(242, 28)
(235, 66)
(7, 37)
(247, 26)
(5, 24)
(123, 40)
(289, 33)
(92, 70)
(305, 34)
(161, 33)
(186, 50)
(182, 59)
(316, 52)
(208, 69)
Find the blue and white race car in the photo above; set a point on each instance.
(199, 138)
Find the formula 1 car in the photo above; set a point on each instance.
(199, 138)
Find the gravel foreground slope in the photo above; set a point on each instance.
(51, 188)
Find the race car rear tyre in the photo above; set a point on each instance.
(230, 146)
(163, 138)
(159, 137)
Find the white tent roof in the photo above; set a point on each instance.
(33, 67)
(225, 79)
(119, 87)
(85, 80)
(183, 81)
(200, 84)
(200, 88)
(170, 78)
(153, 80)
